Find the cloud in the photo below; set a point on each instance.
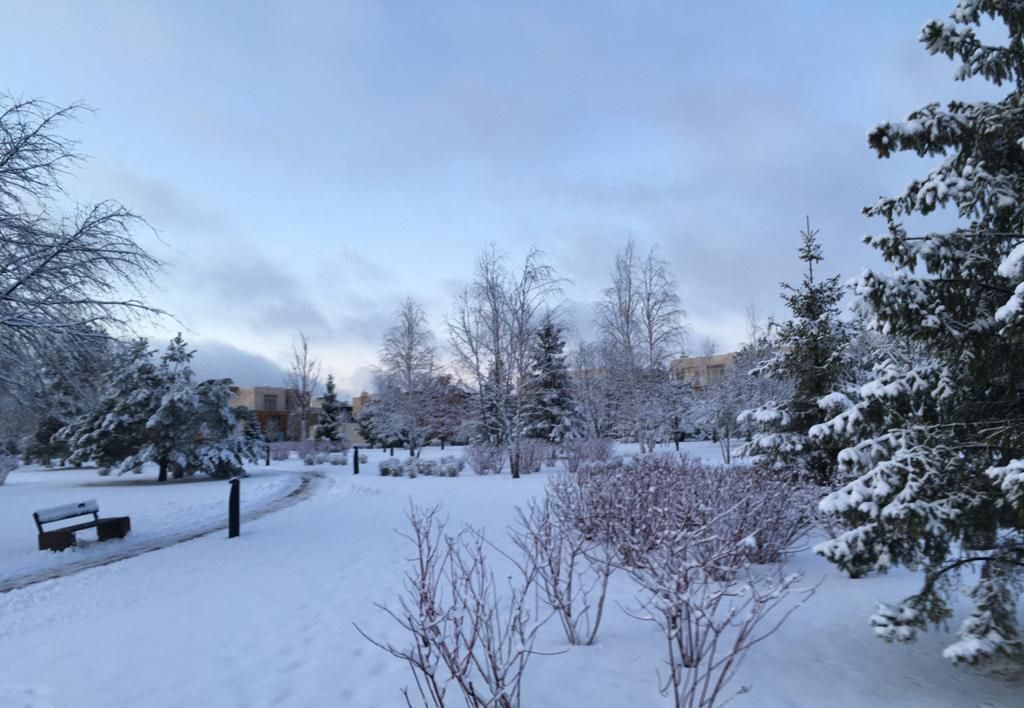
(218, 360)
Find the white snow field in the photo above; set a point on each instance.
(267, 619)
(182, 507)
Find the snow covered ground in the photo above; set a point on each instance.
(267, 619)
(156, 510)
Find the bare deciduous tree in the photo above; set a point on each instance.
(491, 329)
(64, 277)
(641, 319)
(303, 377)
(411, 394)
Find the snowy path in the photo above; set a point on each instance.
(306, 483)
(266, 620)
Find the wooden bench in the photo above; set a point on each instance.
(59, 539)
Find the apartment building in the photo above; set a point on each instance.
(276, 409)
(699, 371)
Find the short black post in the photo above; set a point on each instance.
(442, 443)
(677, 443)
(268, 454)
(233, 509)
(410, 452)
(355, 460)
(392, 450)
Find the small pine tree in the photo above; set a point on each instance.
(173, 423)
(114, 431)
(548, 392)
(811, 351)
(329, 426)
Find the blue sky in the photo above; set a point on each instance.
(308, 164)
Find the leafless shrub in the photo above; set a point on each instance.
(584, 450)
(572, 571)
(709, 623)
(8, 463)
(641, 504)
(280, 450)
(485, 459)
(532, 454)
(464, 633)
(450, 466)
(693, 536)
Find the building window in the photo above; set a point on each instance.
(269, 402)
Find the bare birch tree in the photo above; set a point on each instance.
(64, 277)
(491, 330)
(303, 377)
(410, 392)
(640, 317)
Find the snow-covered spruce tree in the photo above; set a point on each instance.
(329, 426)
(812, 352)
(114, 431)
(938, 469)
(156, 412)
(548, 392)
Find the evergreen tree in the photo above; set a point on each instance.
(549, 400)
(811, 351)
(114, 431)
(329, 427)
(158, 413)
(937, 448)
(173, 424)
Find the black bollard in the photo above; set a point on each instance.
(442, 444)
(410, 452)
(355, 460)
(677, 443)
(268, 454)
(233, 509)
(392, 450)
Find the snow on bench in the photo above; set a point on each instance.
(64, 537)
(66, 511)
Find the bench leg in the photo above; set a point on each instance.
(56, 540)
(114, 527)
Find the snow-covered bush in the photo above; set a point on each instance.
(391, 468)
(532, 454)
(320, 458)
(411, 468)
(8, 463)
(309, 459)
(337, 458)
(695, 538)
(280, 451)
(583, 450)
(464, 631)
(428, 468)
(362, 458)
(643, 503)
(485, 459)
(450, 466)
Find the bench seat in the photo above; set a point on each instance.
(64, 537)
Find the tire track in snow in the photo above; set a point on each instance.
(309, 483)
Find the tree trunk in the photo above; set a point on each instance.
(163, 472)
